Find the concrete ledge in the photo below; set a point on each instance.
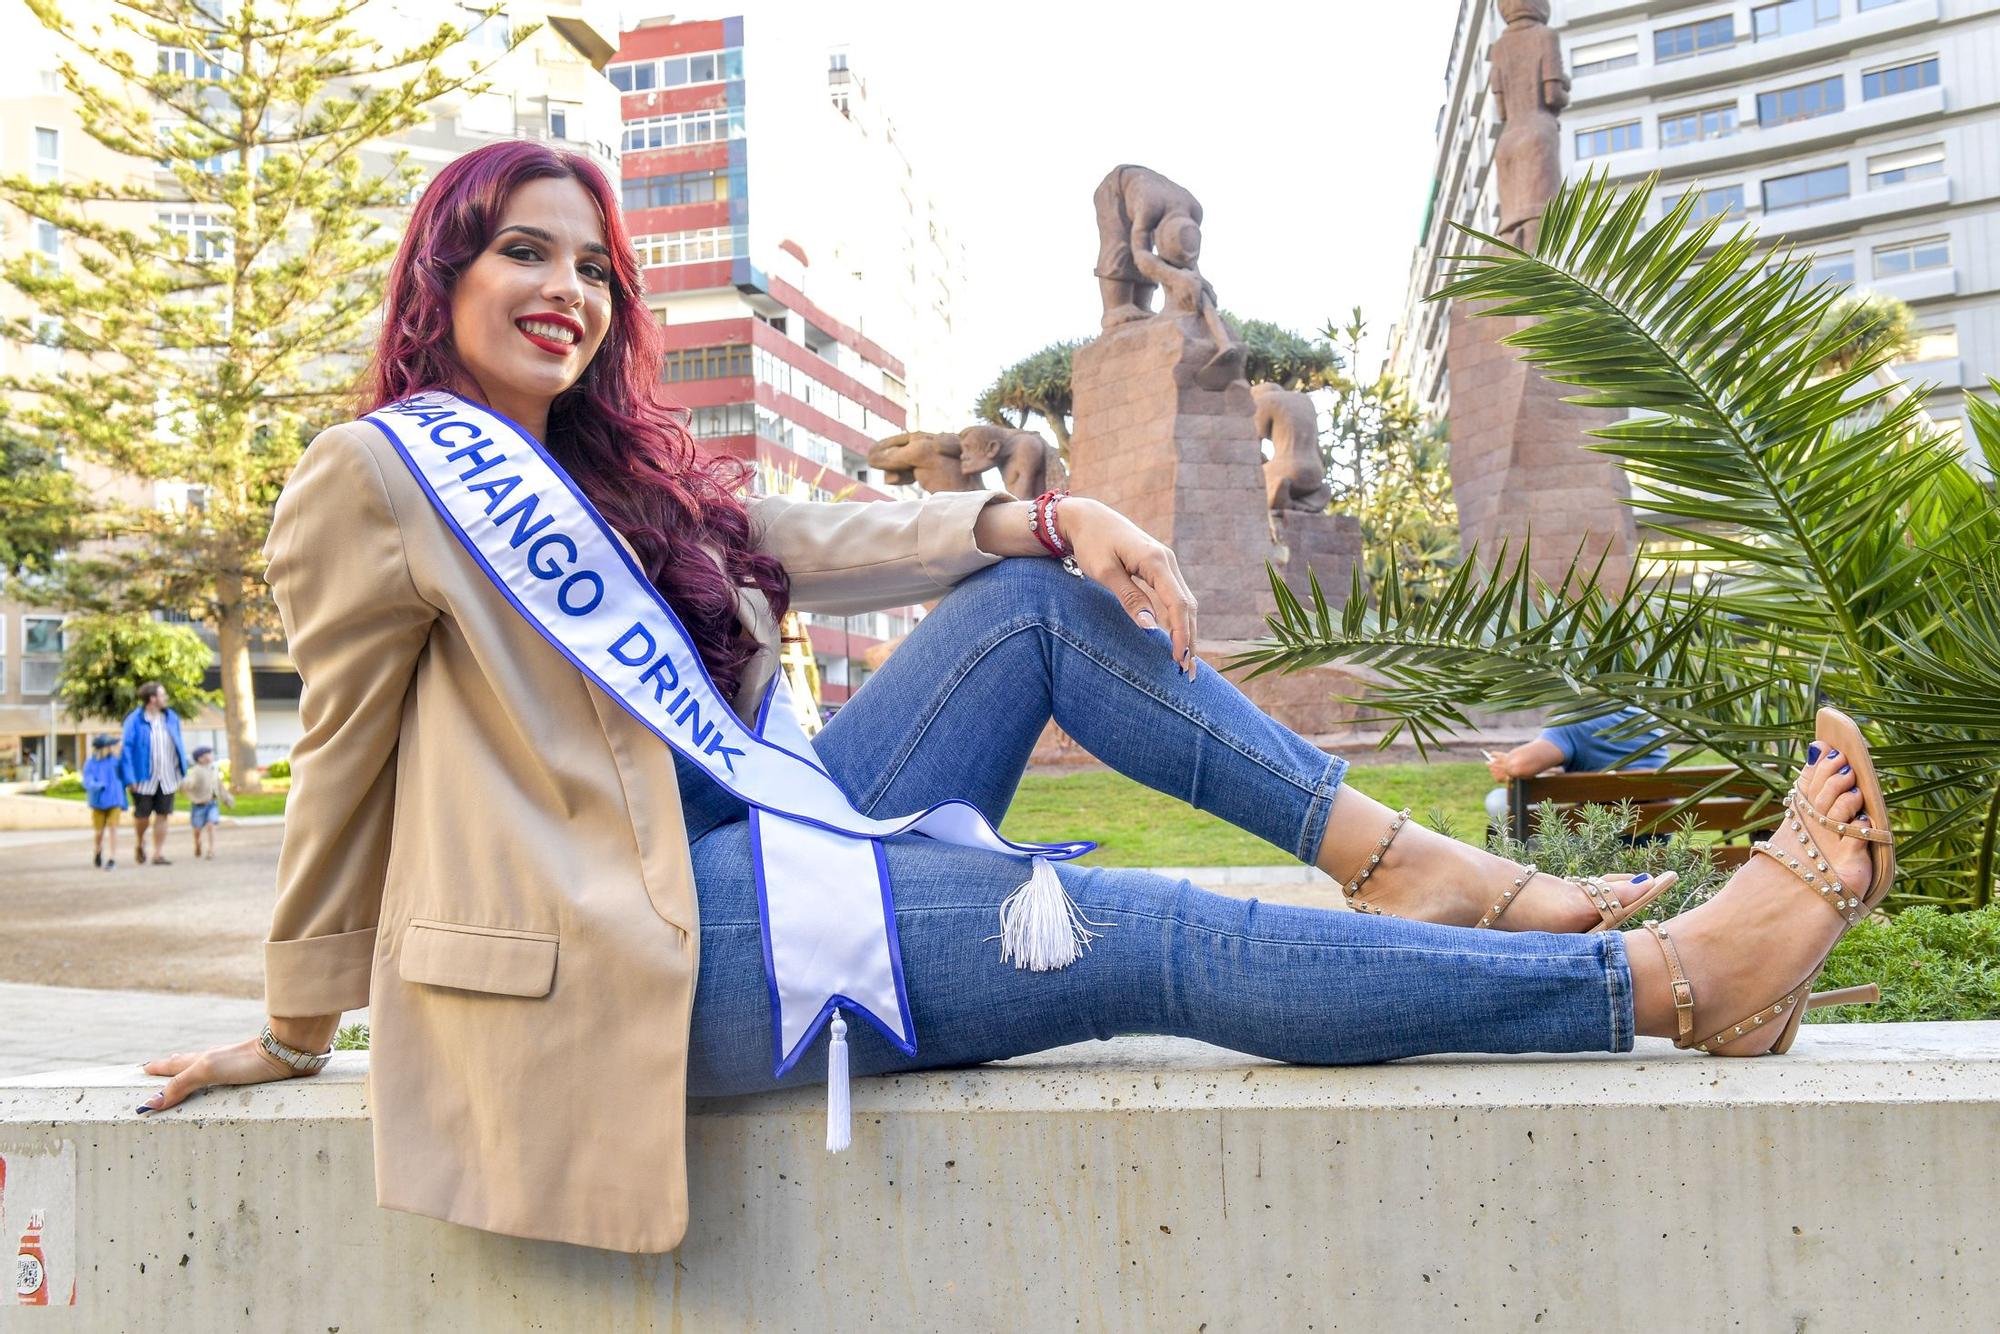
(1135, 1185)
(21, 811)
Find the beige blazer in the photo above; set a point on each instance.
(488, 852)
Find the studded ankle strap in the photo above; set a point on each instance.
(1354, 899)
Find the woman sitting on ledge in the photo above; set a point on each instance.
(470, 798)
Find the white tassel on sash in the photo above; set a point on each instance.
(839, 1118)
(1040, 926)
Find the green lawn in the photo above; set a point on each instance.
(1136, 826)
(260, 803)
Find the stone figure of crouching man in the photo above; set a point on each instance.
(1149, 236)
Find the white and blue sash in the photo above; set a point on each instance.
(823, 887)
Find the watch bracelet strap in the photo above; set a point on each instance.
(292, 1056)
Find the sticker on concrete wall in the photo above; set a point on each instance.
(38, 1219)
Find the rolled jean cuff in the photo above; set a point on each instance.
(1318, 809)
(1618, 990)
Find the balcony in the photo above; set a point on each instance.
(1753, 142)
(1750, 59)
(1938, 373)
(1927, 285)
(1863, 206)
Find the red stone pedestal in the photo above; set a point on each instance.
(1518, 462)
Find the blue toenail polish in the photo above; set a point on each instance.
(1812, 753)
(1638, 879)
(1833, 755)
(1845, 769)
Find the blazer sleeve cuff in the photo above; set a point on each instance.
(945, 547)
(319, 975)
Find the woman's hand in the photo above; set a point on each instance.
(1143, 572)
(238, 1063)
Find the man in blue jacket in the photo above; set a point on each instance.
(152, 765)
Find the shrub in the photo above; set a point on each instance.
(279, 769)
(64, 784)
(354, 1037)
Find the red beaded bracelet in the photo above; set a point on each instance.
(1042, 515)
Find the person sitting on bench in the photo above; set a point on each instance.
(1577, 748)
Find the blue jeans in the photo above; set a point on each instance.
(955, 712)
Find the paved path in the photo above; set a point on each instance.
(69, 1028)
(123, 965)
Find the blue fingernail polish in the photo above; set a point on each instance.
(144, 1110)
(1812, 753)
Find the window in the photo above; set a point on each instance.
(1691, 39)
(42, 634)
(634, 78)
(1692, 126)
(685, 187)
(728, 419)
(1597, 57)
(690, 247)
(695, 127)
(1912, 164)
(46, 354)
(1932, 252)
(1802, 101)
(200, 236)
(48, 154)
(1805, 187)
(558, 123)
(1836, 268)
(1608, 139)
(1899, 79)
(1792, 16)
(1721, 201)
(1940, 344)
(48, 248)
(493, 34)
(706, 363)
(189, 64)
(1865, 5)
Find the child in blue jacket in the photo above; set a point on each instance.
(104, 788)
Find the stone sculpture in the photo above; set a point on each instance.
(1295, 475)
(955, 460)
(1028, 464)
(1149, 237)
(1530, 87)
(928, 458)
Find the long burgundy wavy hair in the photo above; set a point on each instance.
(614, 429)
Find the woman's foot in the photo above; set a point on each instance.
(1428, 877)
(1763, 936)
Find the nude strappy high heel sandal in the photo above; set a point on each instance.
(1611, 911)
(1798, 851)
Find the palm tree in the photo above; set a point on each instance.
(1816, 536)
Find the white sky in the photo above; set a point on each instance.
(1306, 129)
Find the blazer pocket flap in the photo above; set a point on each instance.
(479, 958)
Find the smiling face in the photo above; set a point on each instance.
(530, 312)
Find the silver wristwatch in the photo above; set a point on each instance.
(304, 1062)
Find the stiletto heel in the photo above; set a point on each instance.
(1865, 994)
(1815, 872)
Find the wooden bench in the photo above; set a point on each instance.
(1655, 795)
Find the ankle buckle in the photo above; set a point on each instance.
(1683, 994)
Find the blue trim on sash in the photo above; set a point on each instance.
(786, 1060)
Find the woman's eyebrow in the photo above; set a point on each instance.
(593, 247)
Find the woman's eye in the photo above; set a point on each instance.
(520, 252)
(596, 273)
